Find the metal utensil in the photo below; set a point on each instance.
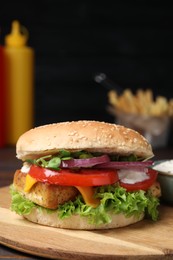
(103, 80)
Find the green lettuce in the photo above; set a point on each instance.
(113, 199)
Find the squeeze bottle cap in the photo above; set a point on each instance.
(17, 37)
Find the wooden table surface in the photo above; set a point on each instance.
(9, 163)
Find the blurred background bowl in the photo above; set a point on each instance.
(165, 178)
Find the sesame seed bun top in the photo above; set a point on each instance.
(93, 136)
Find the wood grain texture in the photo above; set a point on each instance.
(144, 240)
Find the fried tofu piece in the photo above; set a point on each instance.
(44, 194)
(155, 189)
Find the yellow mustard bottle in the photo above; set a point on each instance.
(19, 77)
(2, 99)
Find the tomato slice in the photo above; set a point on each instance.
(144, 185)
(67, 177)
(88, 177)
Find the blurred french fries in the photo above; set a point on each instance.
(142, 103)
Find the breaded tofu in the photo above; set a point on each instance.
(44, 194)
(155, 189)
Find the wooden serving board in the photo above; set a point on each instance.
(143, 240)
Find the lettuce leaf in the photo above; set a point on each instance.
(113, 199)
(20, 204)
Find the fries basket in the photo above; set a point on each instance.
(154, 129)
(141, 112)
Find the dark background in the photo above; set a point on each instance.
(130, 41)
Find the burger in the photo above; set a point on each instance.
(85, 175)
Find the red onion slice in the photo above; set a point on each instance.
(88, 162)
(124, 165)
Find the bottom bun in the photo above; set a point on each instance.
(77, 222)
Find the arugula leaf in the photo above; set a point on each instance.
(54, 161)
